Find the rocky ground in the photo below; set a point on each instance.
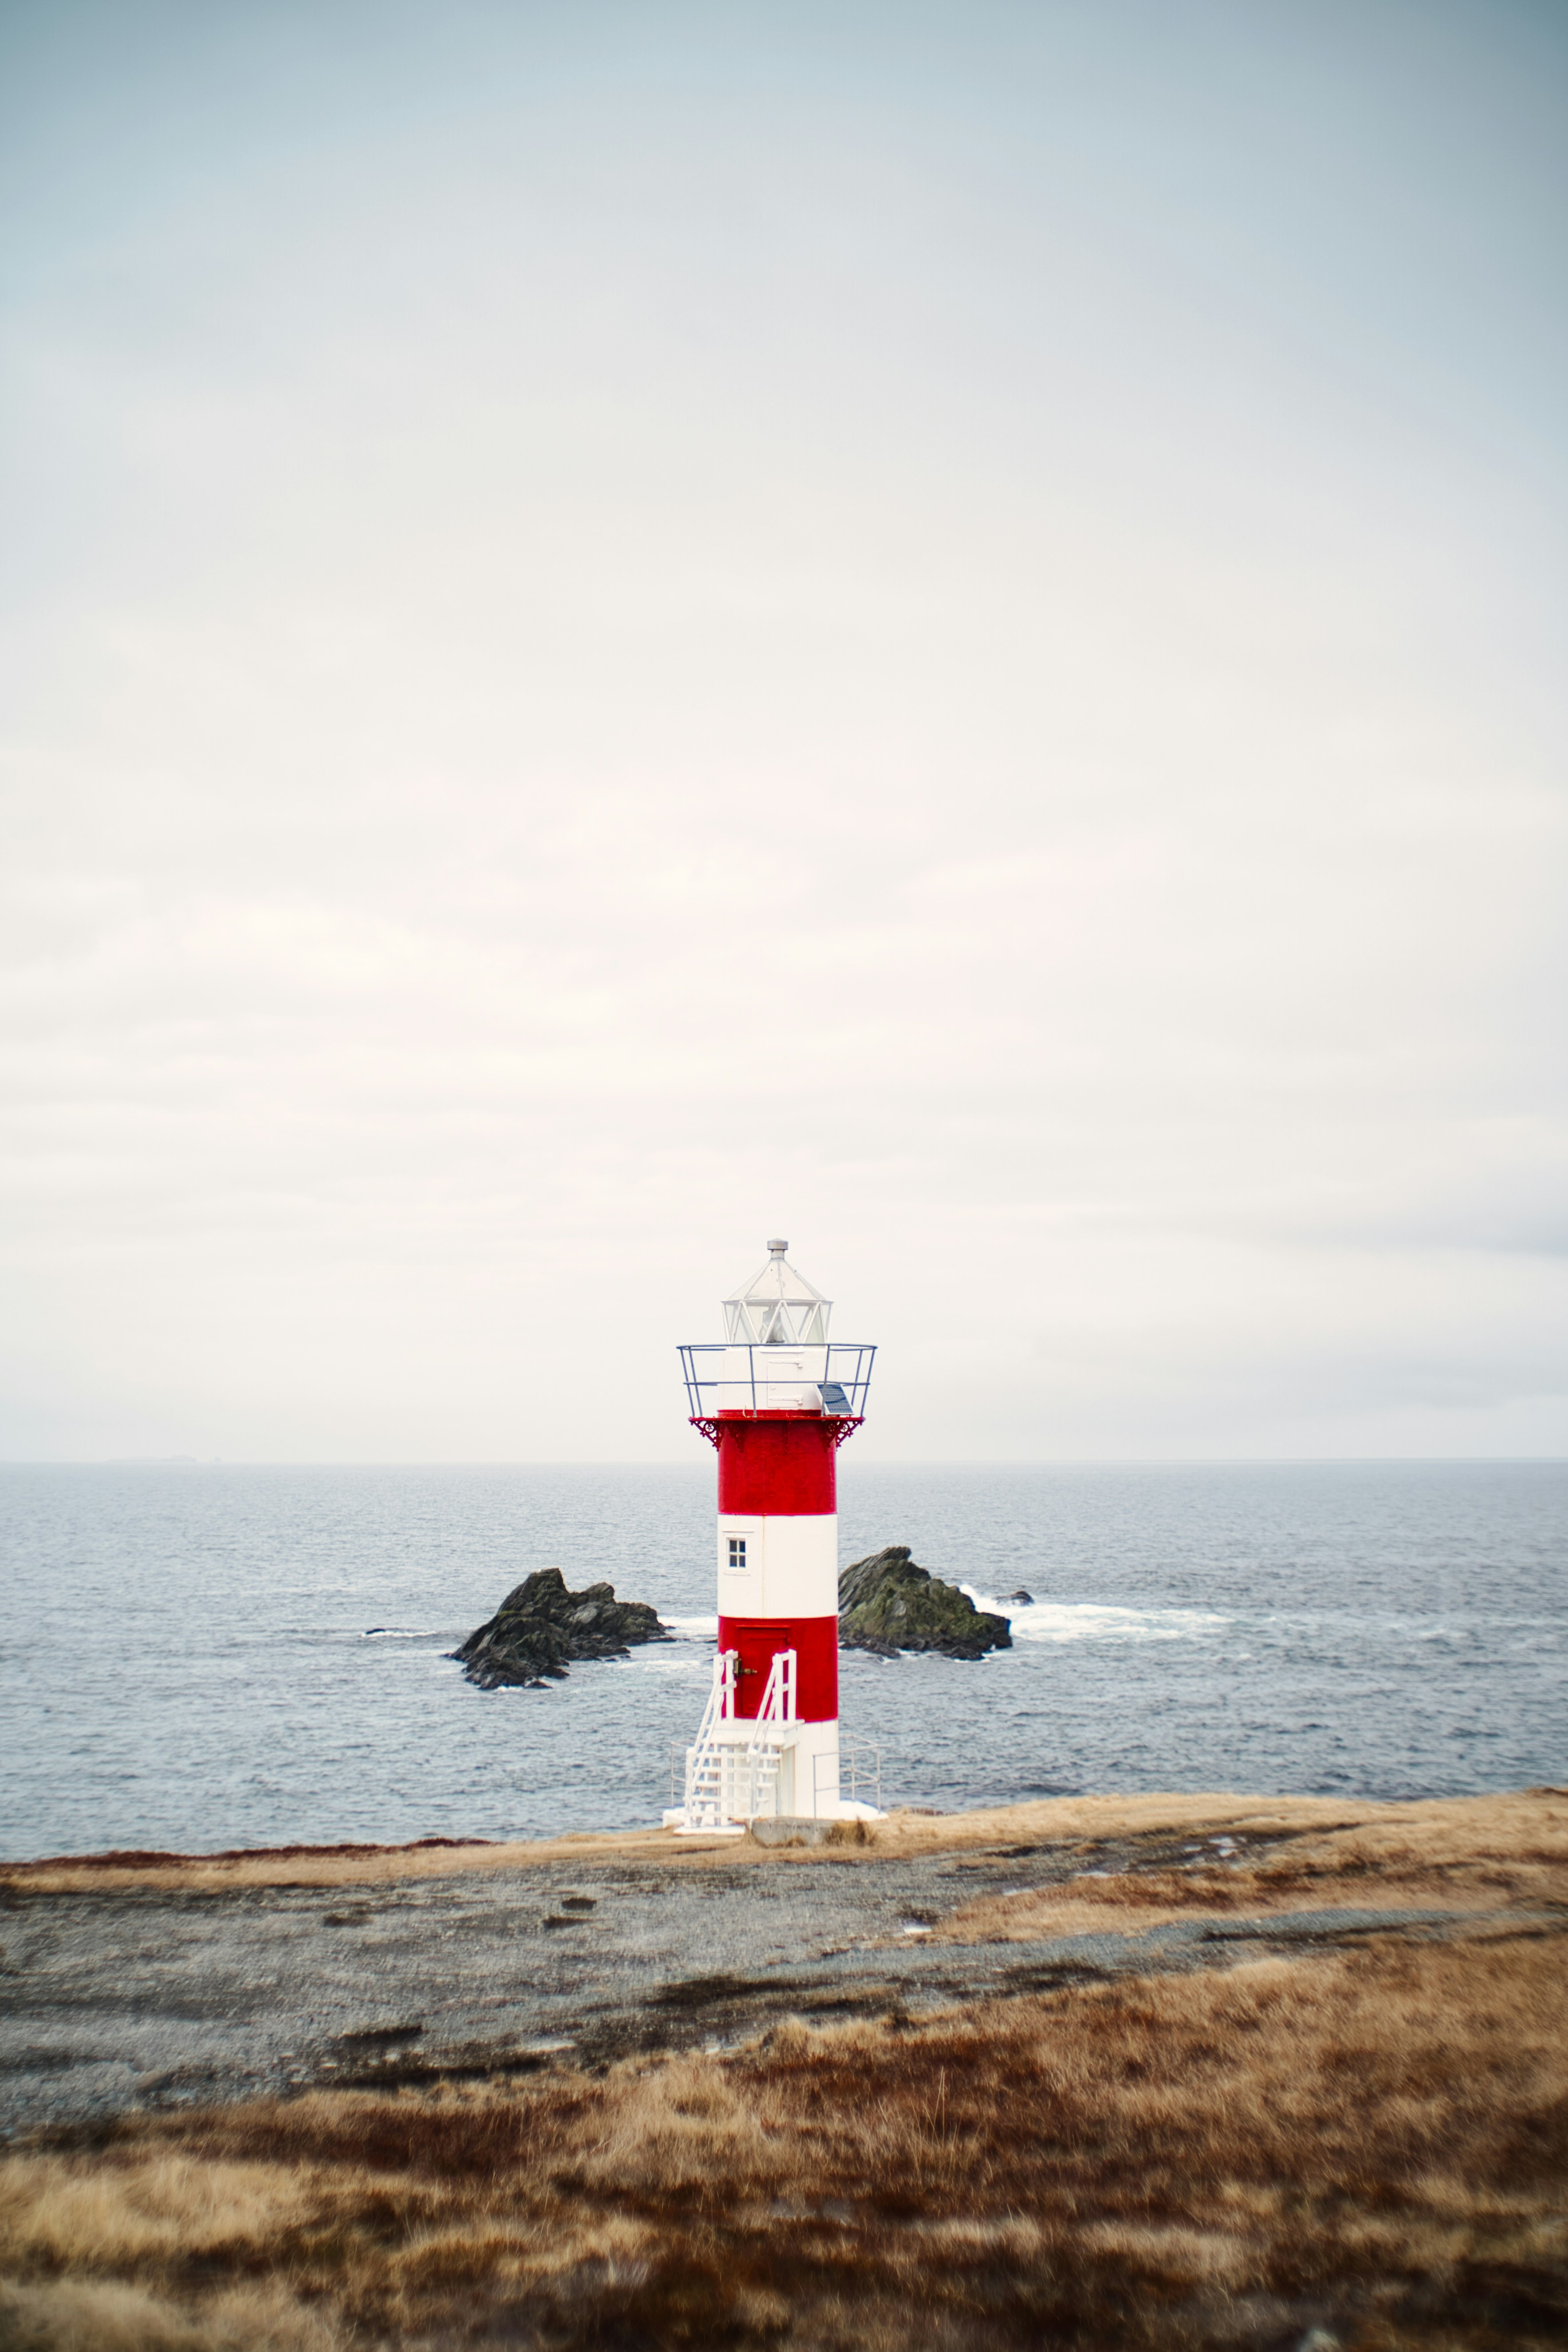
(1191, 2071)
(169, 1983)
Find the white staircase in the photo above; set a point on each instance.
(732, 1765)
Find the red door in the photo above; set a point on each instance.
(814, 1639)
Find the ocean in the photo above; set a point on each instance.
(198, 1657)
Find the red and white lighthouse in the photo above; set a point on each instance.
(777, 1399)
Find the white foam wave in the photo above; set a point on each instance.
(694, 1629)
(1090, 1620)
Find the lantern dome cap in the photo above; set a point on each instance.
(778, 1308)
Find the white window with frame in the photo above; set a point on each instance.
(740, 1565)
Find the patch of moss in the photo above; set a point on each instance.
(887, 1603)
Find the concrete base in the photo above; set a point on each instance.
(806, 1829)
(779, 1829)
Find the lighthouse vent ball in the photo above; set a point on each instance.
(887, 1604)
(540, 1626)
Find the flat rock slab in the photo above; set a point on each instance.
(150, 1998)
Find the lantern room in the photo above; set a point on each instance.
(778, 1308)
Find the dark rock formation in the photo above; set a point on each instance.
(1024, 1600)
(540, 1625)
(887, 1604)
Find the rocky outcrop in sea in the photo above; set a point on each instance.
(887, 1603)
(540, 1627)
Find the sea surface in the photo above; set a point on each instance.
(197, 1657)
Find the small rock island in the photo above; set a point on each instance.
(887, 1603)
(540, 1626)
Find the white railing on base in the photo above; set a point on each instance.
(857, 1765)
(859, 1760)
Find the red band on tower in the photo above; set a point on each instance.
(782, 1464)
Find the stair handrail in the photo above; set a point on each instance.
(777, 1711)
(778, 1693)
(720, 1707)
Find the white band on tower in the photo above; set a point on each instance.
(775, 1567)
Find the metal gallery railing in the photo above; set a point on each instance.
(726, 1377)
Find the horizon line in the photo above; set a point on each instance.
(901, 1462)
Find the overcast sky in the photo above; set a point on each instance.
(932, 628)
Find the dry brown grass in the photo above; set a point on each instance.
(1375, 2144)
(1456, 1854)
(1054, 1819)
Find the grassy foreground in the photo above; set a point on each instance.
(1365, 2146)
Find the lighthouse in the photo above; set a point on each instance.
(776, 1398)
